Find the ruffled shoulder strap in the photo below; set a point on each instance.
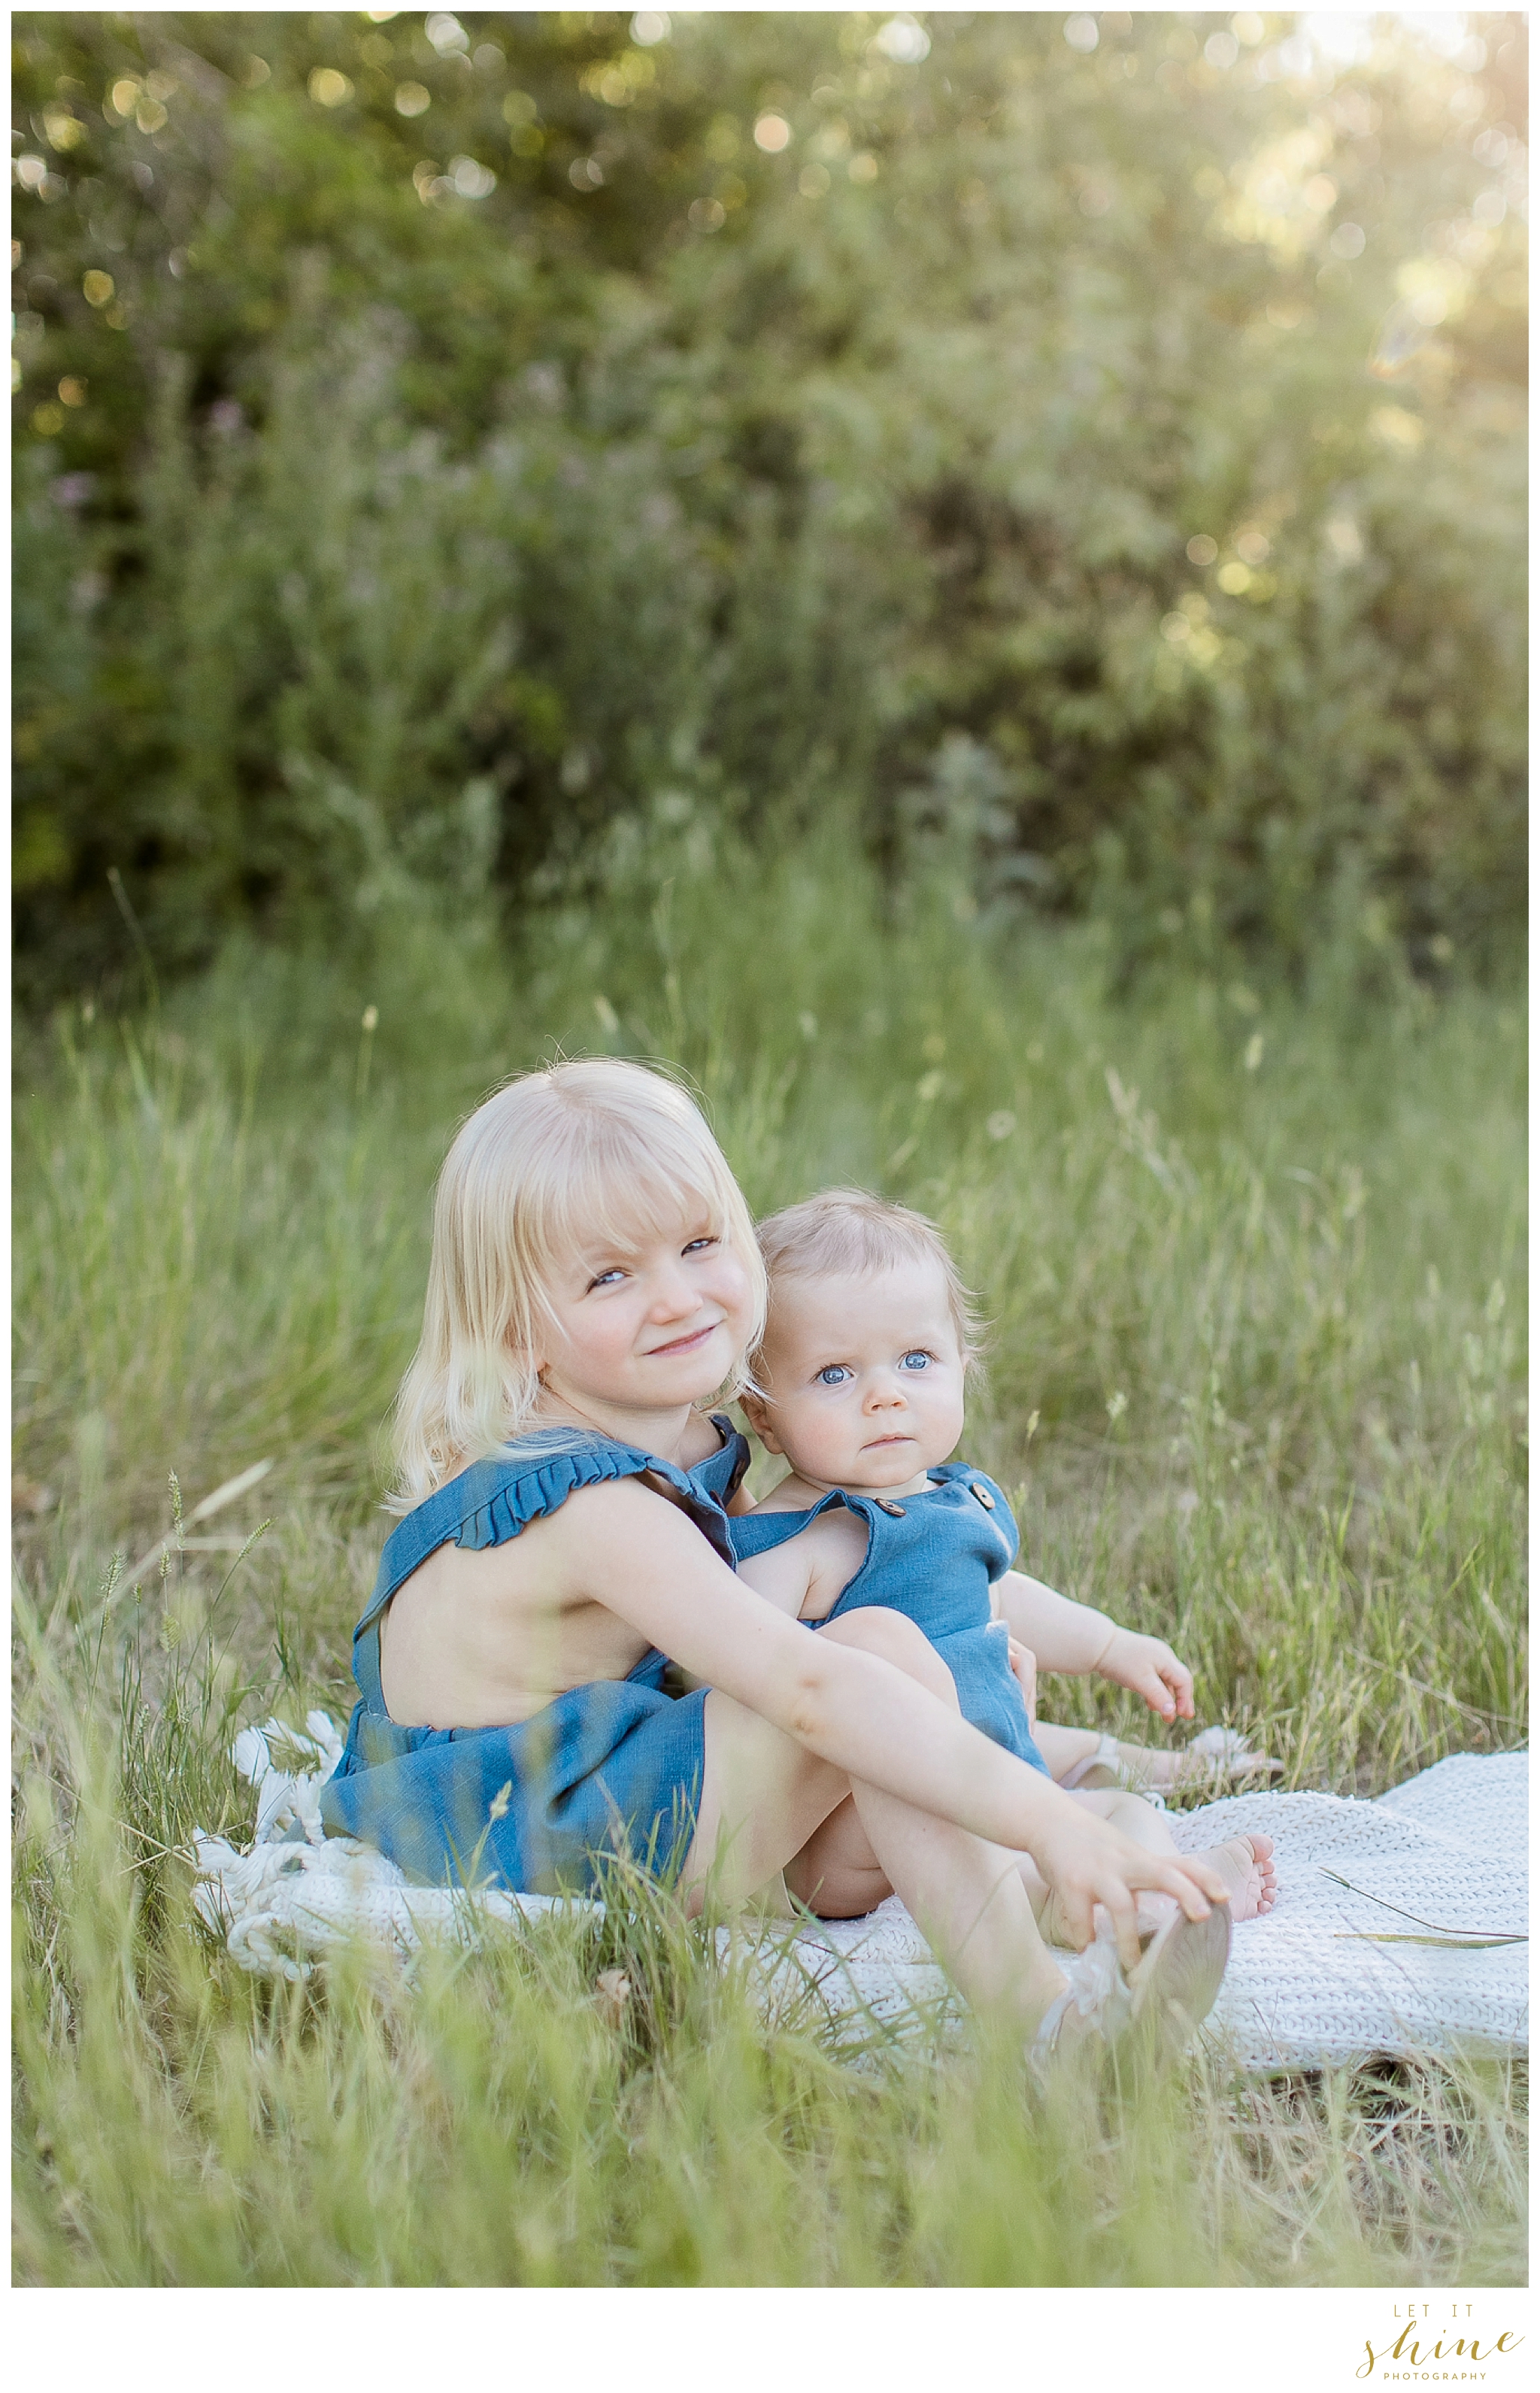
(492, 1501)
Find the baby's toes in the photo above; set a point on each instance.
(1267, 1874)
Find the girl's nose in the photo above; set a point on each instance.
(673, 1296)
(884, 1394)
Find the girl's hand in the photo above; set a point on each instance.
(1151, 1670)
(1089, 1862)
(1023, 1664)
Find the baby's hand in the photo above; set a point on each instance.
(1151, 1670)
(1023, 1663)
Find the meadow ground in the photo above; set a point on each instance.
(1253, 1260)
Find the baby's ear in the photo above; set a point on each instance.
(760, 1421)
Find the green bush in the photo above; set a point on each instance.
(1051, 458)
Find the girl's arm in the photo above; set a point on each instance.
(620, 1545)
(1072, 1637)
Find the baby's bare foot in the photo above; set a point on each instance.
(1246, 1865)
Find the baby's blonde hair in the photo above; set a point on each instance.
(848, 1230)
(556, 1161)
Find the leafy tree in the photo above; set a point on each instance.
(1091, 449)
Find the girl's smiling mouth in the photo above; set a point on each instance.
(685, 1345)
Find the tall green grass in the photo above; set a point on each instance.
(1253, 1263)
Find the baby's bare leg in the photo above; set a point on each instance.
(1160, 1767)
(1061, 1747)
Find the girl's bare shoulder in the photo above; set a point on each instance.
(552, 1544)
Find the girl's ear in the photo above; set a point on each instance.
(539, 1361)
(760, 1419)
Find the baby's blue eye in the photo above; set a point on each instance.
(917, 1359)
(833, 1375)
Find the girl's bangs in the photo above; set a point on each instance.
(623, 1187)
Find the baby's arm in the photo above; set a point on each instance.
(803, 1577)
(1074, 1637)
(783, 1575)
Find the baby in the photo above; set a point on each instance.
(860, 1375)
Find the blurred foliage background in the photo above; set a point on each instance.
(454, 451)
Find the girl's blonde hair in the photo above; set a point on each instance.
(556, 1161)
(847, 1230)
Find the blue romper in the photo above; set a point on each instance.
(932, 1557)
(612, 1766)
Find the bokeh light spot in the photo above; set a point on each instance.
(471, 179)
(904, 41)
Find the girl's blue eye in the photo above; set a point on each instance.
(604, 1277)
(917, 1359)
(833, 1375)
(696, 1244)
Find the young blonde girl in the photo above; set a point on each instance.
(595, 1278)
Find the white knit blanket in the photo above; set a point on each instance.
(1310, 1983)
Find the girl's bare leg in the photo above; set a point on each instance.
(765, 1798)
(837, 1874)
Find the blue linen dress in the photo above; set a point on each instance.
(614, 1766)
(934, 1558)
